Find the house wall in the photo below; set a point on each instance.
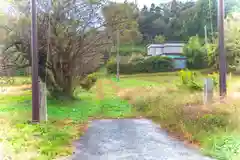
(154, 50)
(171, 49)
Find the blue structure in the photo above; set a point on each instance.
(180, 61)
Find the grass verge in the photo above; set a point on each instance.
(67, 122)
(181, 112)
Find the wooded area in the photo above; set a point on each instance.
(82, 31)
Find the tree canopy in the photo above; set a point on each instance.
(69, 52)
(177, 20)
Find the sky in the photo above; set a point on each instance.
(4, 6)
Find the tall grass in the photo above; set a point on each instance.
(182, 112)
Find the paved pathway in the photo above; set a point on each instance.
(129, 139)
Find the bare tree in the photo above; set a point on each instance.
(77, 40)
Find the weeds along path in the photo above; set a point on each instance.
(130, 139)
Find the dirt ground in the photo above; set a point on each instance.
(14, 90)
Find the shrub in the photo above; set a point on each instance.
(148, 65)
(189, 79)
(135, 58)
(158, 63)
(88, 81)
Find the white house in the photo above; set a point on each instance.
(172, 50)
(165, 48)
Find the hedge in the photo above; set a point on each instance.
(148, 65)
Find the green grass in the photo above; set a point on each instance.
(154, 96)
(223, 146)
(128, 49)
(131, 82)
(53, 139)
(15, 81)
(214, 132)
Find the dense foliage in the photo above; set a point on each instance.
(179, 20)
(168, 21)
(196, 53)
(232, 37)
(75, 48)
(159, 39)
(147, 65)
(80, 36)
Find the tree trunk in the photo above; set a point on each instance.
(56, 90)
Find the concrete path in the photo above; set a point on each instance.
(129, 139)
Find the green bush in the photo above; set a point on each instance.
(209, 121)
(189, 79)
(148, 65)
(196, 54)
(88, 81)
(135, 58)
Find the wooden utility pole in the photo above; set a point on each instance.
(222, 55)
(35, 80)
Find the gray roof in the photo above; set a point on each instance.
(166, 45)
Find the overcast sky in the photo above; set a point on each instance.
(3, 5)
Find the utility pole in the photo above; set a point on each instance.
(222, 55)
(34, 50)
(118, 57)
(206, 36)
(210, 9)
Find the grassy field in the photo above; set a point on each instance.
(67, 121)
(155, 96)
(213, 128)
(128, 49)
